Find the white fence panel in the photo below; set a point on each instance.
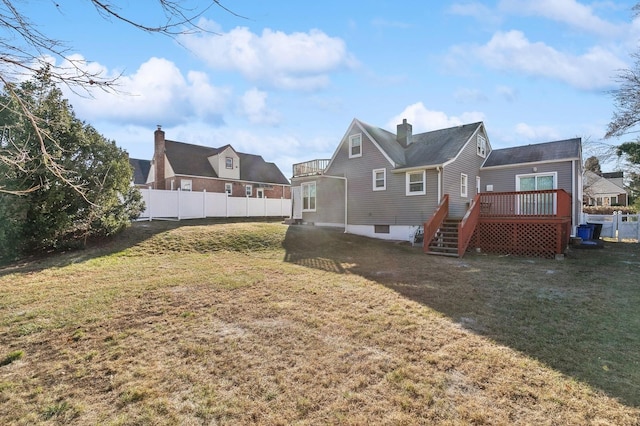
(237, 207)
(629, 227)
(617, 225)
(193, 205)
(216, 205)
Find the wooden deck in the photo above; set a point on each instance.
(529, 223)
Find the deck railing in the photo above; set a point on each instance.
(308, 168)
(467, 225)
(544, 203)
(433, 224)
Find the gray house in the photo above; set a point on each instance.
(386, 185)
(393, 186)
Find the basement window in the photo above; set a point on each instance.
(381, 229)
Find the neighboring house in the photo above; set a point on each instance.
(179, 165)
(386, 185)
(606, 189)
(140, 171)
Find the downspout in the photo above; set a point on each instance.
(439, 169)
(346, 206)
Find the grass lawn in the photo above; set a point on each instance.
(202, 322)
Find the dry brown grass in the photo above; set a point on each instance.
(260, 323)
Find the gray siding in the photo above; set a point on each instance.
(388, 207)
(504, 179)
(329, 200)
(467, 162)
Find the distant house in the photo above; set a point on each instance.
(179, 165)
(140, 171)
(391, 186)
(606, 189)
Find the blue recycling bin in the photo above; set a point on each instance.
(585, 232)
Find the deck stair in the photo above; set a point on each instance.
(445, 242)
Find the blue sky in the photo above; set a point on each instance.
(286, 82)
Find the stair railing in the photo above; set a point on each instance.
(467, 225)
(435, 222)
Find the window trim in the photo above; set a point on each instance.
(259, 192)
(384, 179)
(228, 188)
(248, 191)
(315, 197)
(408, 183)
(464, 185)
(481, 146)
(352, 138)
(228, 162)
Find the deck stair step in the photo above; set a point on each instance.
(445, 242)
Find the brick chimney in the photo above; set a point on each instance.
(158, 158)
(404, 135)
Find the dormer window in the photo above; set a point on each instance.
(355, 146)
(228, 162)
(482, 146)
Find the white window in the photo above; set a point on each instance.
(416, 183)
(260, 192)
(228, 162)
(482, 146)
(248, 190)
(379, 179)
(185, 184)
(464, 185)
(478, 186)
(309, 197)
(228, 188)
(355, 146)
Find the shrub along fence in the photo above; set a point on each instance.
(162, 204)
(617, 225)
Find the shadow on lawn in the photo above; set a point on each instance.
(579, 316)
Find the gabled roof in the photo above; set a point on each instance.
(439, 146)
(426, 149)
(596, 184)
(193, 160)
(569, 149)
(140, 170)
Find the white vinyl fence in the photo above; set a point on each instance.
(163, 204)
(616, 225)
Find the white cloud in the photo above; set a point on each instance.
(253, 105)
(536, 133)
(296, 61)
(156, 93)
(569, 12)
(475, 10)
(423, 119)
(512, 51)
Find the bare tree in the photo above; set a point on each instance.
(25, 51)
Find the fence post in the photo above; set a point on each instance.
(204, 203)
(179, 206)
(149, 203)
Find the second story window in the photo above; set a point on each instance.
(228, 162)
(482, 146)
(355, 146)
